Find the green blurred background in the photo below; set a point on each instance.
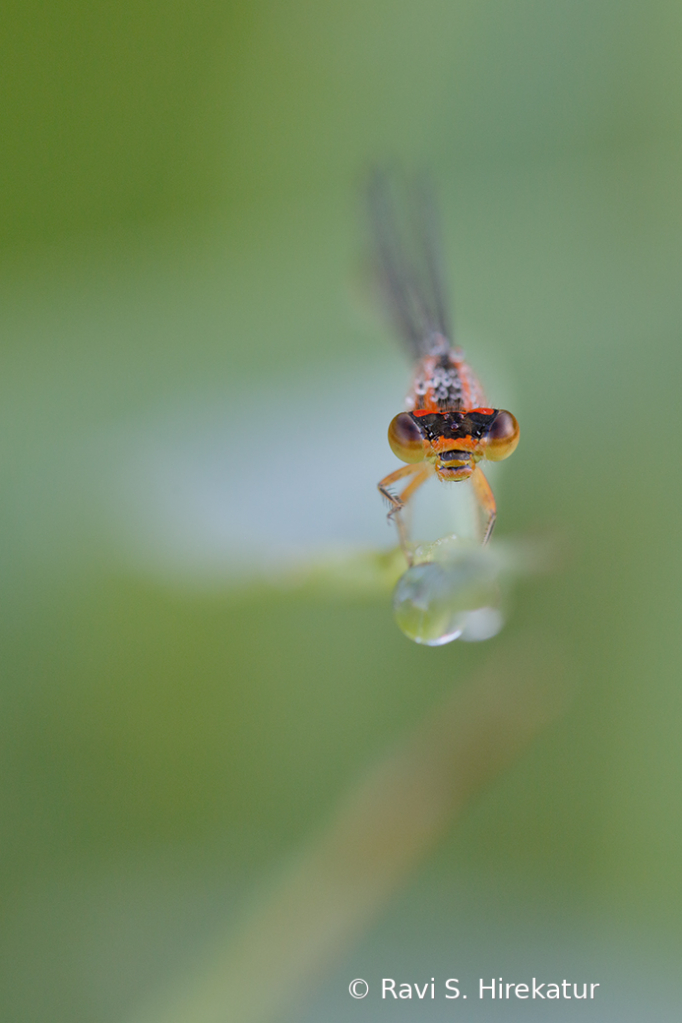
(181, 237)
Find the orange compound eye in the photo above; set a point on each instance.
(405, 438)
(502, 437)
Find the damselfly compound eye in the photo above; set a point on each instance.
(405, 438)
(502, 437)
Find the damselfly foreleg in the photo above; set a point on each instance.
(486, 502)
(420, 473)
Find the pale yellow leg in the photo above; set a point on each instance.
(421, 471)
(486, 502)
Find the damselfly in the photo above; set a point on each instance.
(447, 427)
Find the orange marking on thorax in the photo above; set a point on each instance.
(463, 374)
(429, 404)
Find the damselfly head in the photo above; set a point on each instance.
(453, 441)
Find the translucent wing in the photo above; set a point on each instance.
(409, 261)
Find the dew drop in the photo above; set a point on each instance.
(451, 591)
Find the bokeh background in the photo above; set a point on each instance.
(194, 394)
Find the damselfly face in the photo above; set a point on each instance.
(453, 442)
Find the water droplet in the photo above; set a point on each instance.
(482, 623)
(451, 591)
